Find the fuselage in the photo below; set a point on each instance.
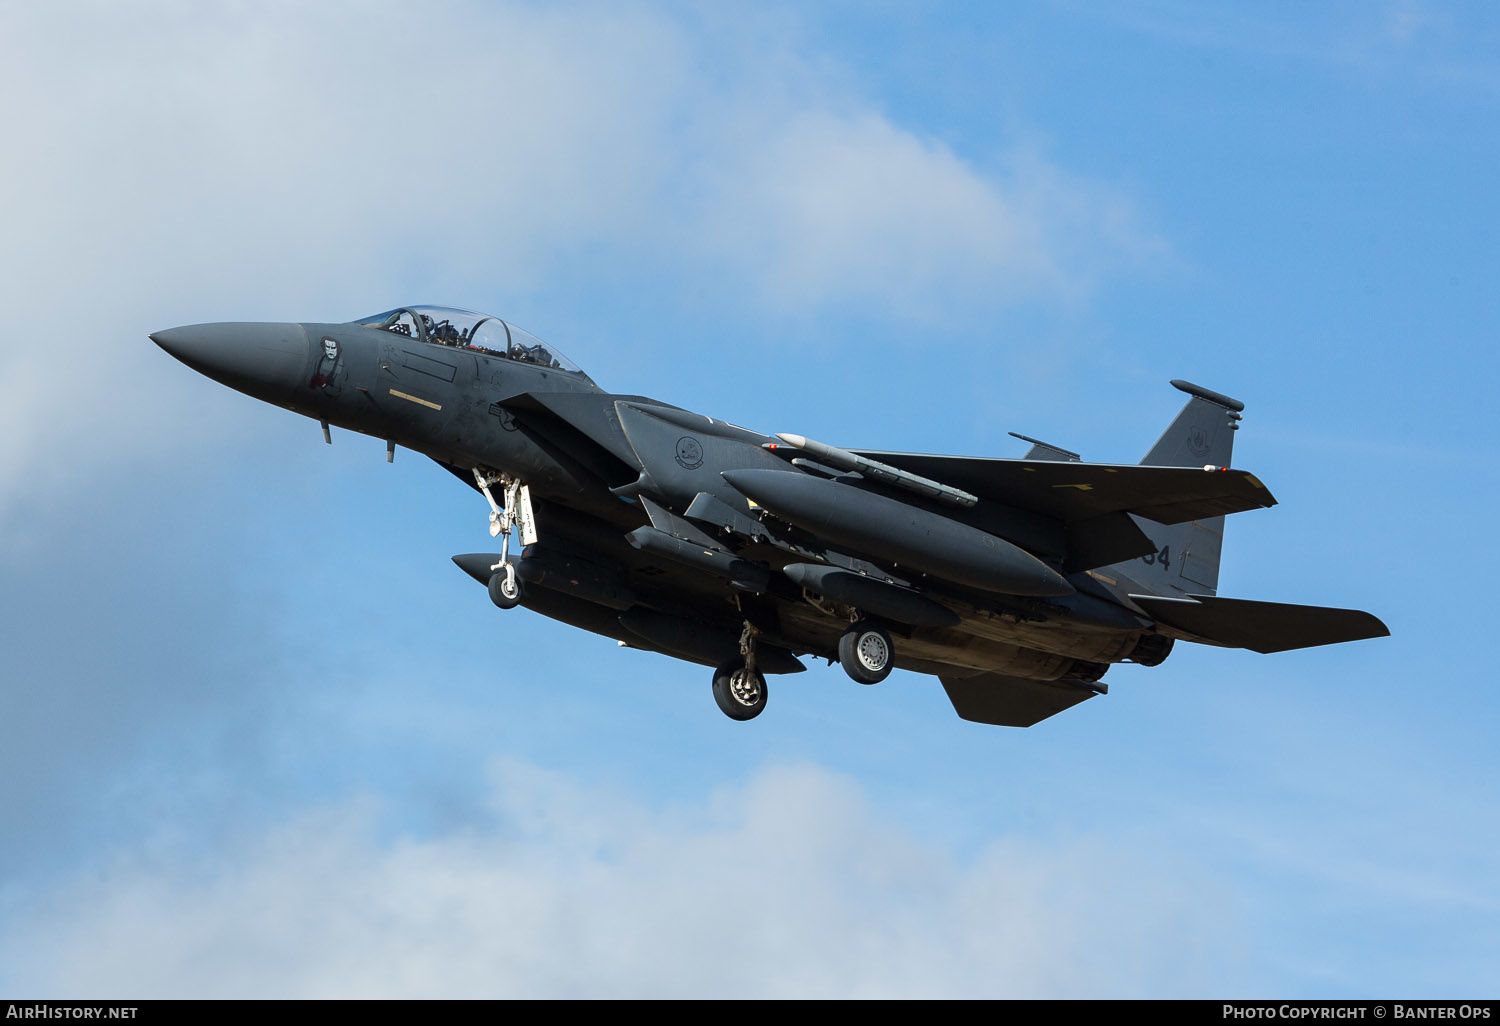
(1017, 583)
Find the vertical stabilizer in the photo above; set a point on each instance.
(1202, 434)
(1187, 555)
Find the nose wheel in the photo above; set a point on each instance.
(865, 653)
(739, 690)
(505, 588)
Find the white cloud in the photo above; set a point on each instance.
(857, 208)
(305, 149)
(790, 885)
(174, 162)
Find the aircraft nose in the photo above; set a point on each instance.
(266, 360)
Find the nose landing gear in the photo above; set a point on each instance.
(505, 587)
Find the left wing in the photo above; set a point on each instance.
(1076, 491)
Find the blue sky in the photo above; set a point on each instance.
(260, 737)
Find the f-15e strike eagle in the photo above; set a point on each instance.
(1016, 582)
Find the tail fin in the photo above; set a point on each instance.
(1187, 555)
(1202, 434)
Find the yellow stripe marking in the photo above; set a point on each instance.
(413, 399)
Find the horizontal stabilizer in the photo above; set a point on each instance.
(1260, 626)
(1014, 701)
(1074, 491)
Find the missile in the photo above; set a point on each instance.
(883, 472)
(894, 531)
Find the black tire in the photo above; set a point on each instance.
(741, 693)
(505, 591)
(866, 654)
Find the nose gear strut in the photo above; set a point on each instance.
(516, 513)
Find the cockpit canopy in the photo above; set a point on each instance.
(465, 329)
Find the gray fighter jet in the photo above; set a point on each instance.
(1016, 582)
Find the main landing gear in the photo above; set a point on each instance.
(505, 586)
(739, 688)
(865, 653)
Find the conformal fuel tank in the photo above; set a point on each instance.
(893, 531)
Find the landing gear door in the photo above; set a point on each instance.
(525, 518)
